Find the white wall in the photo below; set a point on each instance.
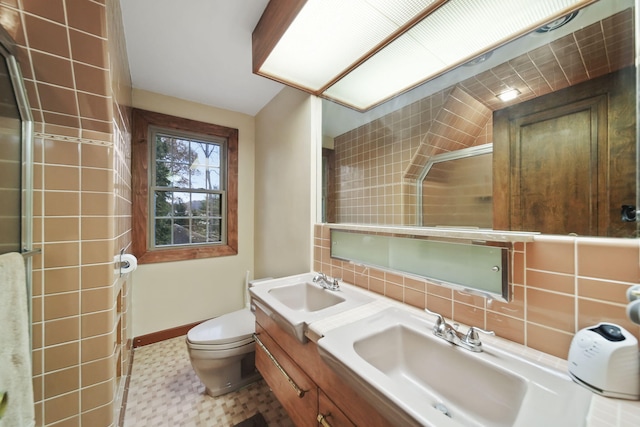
(167, 295)
(287, 146)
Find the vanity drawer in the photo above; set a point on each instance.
(329, 415)
(297, 393)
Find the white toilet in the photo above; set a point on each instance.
(222, 352)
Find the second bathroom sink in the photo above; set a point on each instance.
(304, 296)
(294, 302)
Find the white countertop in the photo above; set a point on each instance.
(604, 411)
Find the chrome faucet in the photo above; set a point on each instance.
(326, 282)
(470, 340)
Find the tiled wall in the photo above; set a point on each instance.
(74, 63)
(560, 285)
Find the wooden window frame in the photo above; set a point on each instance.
(142, 119)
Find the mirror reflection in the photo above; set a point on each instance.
(564, 148)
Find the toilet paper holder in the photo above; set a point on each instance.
(125, 263)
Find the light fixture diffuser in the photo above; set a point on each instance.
(362, 52)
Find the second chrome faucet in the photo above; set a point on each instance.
(326, 282)
(470, 340)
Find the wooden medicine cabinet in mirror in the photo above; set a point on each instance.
(564, 150)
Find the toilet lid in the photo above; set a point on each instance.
(231, 327)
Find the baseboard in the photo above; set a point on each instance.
(155, 337)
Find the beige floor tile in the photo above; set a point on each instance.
(165, 391)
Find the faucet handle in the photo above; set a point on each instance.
(440, 325)
(472, 336)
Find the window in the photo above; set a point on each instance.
(184, 188)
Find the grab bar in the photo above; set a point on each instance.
(300, 392)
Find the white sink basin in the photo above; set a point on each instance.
(294, 302)
(415, 378)
(306, 296)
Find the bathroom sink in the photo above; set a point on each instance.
(306, 297)
(294, 302)
(395, 362)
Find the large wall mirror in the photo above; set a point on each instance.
(561, 153)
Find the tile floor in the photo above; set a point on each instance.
(164, 391)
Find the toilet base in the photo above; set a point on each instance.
(221, 376)
(235, 386)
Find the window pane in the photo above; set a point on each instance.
(163, 232)
(163, 174)
(198, 204)
(180, 175)
(214, 205)
(163, 203)
(181, 204)
(181, 231)
(214, 233)
(164, 148)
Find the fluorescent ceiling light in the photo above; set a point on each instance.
(362, 52)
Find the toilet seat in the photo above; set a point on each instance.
(230, 330)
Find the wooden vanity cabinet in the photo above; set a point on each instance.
(335, 400)
(294, 389)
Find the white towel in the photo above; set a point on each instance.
(15, 357)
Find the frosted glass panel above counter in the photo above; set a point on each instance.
(472, 267)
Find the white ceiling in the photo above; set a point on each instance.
(198, 50)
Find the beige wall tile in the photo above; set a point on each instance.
(61, 356)
(612, 259)
(551, 255)
(97, 372)
(61, 178)
(61, 407)
(60, 382)
(97, 180)
(60, 331)
(440, 291)
(47, 36)
(99, 299)
(564, 283)
(468, 314)
(514, 308)
(549, 309)
(97, 323)
(61, 255)
(394, 291)
(100, 417)
(506, 327)
(548, 340)
(376, 285)
(99, 227)
(97, 251)
(594, 312)
(100, 204)
(98, 347)
(61, 152)
(442, 306)
(87, 16)
(415, 298)
(49, 9)
(603, 290)
(61, 203)
(97, 276)
(58, 280)
(96, 396)
(61, 229)
(97, 156)
(61, 305)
